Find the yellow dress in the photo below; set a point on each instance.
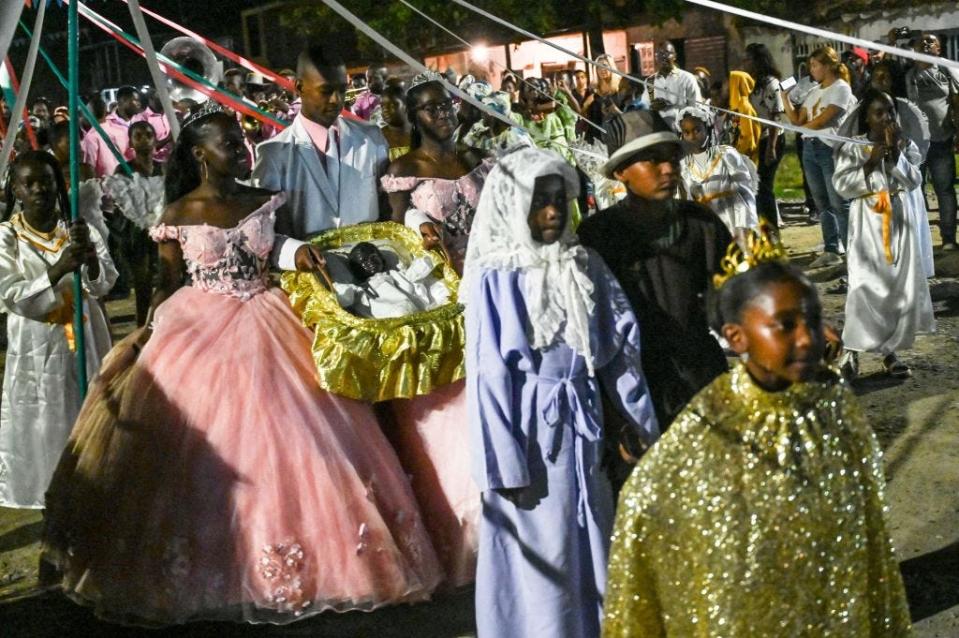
(757, 515)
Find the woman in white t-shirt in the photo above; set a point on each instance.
(821, 111)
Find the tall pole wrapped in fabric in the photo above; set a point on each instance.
(73, 72)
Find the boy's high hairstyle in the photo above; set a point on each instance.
(43, 158)
(321, 58)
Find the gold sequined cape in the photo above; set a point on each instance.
(757, 515)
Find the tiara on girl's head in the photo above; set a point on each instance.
(210, 107)
(424, 77)
(761, 246)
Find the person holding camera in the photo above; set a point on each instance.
(673, 88)
(903, 37)
(935, 89)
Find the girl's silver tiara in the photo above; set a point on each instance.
(210, 107)
(423, 78)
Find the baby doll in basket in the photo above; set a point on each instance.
(381, 292)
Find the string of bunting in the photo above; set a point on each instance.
(181, 73)
(246, 63)
(127, 169)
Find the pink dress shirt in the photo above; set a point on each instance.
(95, 151)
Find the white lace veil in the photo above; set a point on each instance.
(556, 286)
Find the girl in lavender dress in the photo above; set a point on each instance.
(546, 322)
(208, 476)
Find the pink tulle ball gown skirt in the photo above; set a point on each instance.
(431, 436)
(208, 476)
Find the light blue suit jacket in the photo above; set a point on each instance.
(290, 163)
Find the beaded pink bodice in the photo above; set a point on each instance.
(227, 261)
(449, 201)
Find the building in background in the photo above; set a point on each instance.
(529, 58)
(702, 37)
(792, 49)
(699, 37)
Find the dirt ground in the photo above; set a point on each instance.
(917, 421)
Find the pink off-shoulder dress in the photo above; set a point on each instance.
(208, 475)
(450, 203)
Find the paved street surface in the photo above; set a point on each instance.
(917, 421)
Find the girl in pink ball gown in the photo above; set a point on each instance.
(434, 189)
(208, 475)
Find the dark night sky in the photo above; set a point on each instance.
(209, 18)
(102, 63)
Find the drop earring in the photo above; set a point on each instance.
(744, 357)
(204, 170)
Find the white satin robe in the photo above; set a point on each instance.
(724, 180)
(888, 303)
(41, 395)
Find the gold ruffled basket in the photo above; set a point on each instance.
(380, 359)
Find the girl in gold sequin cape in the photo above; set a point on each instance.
(758, 514)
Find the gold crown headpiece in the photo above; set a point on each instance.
(760, 247)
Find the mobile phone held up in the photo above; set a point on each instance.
(788, 83)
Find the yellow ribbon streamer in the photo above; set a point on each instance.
(704, 174)
(883, 206)
(63, 316)
(705, 199)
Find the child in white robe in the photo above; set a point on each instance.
(888, 302)
(41, 393)
(717, 175)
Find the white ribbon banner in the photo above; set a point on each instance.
(416, 64)
(9, 16)
(829, 35)
(159, 79)
(17, 113)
